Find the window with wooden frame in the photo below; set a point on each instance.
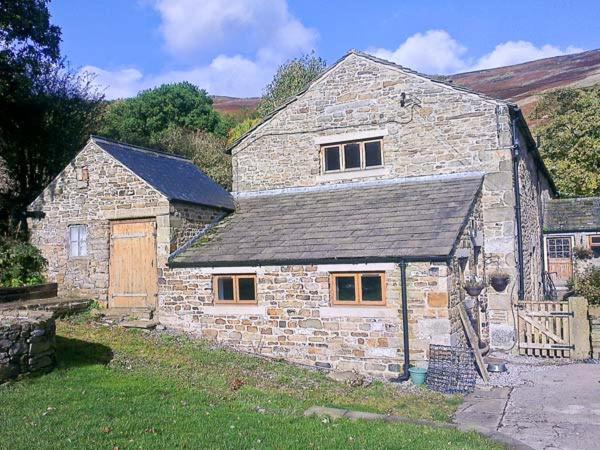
(234, 289)
(355, 155)
(361, 288)
(559, 248)
(595, 245)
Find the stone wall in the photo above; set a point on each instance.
(187, 219)
(594, 312)
(111, 192)
(295, 320)
(27, 343)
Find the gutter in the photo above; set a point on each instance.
(516, 153)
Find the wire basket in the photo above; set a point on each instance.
(451, 370)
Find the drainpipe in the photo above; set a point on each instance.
(405, 374)
(516, 149)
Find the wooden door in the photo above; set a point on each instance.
(560, 260)
(132, 268)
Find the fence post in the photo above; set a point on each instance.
(580, 328)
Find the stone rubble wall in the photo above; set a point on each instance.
(594, 312)
(294, 319)
(186, 220)
(27, 343)
(112, 192)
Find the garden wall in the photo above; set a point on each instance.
(594, 312)
(27, 343)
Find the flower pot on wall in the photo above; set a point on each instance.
(474, 290)
(499, 282)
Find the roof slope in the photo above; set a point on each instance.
(370, 222)
(572, 214)
(177, 178)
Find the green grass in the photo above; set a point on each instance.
(128, 389)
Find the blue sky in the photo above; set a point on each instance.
(233, 47)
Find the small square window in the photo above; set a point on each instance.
(246, 290)
(373, 154)
(332, 159)
(595, 246)
(345, 289)
(235, 289)
(352, 156)
(358, 288)
(371, 288)
(225, 289)
(77, 241)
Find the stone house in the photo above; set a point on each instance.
(571, 224)
(110, 219)
(361, 207)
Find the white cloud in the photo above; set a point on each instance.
(434, 51)
(266, 29)
(437, 52)
(515, 52)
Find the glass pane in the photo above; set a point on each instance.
(74, 240)
(332, 158)
(246, 289)
(352, 156)
(345, 289)
(82, 240)
(596, 252)
(371, 288)
(372, 154)
(225, 288)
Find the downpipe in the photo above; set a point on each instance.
(405, 374)
(516, 153)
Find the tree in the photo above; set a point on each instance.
(241, 128)
(570, 139)
(148, 117)
(206, 150)
(291, 78)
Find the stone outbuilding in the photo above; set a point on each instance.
(110, 219)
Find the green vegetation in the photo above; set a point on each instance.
(21, 264)
(127, 389)
(241, 128)
(291, 79)
(588, 285)
(570, 139)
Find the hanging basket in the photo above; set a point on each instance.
(474, 290)
(499, 282)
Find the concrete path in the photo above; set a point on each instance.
(556, 407)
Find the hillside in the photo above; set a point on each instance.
(521, 83)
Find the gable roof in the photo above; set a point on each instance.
(572, 214)
(371, 222)
(375, 59)
(176, 177)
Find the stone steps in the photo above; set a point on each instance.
(120, 314)
(141, 324)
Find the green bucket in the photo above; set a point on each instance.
(417, 375)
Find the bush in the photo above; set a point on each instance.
(582, 253)
(21, 264)
(588, 285)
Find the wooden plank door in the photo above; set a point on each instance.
(132, 266)
(544, 328)
(560, 260)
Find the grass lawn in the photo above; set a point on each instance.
(129, 389)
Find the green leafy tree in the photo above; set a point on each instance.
(570, 139)
(148, 117)
(206, 150)
(52, 110)
(241, 128)
(291, 78)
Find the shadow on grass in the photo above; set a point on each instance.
(76, 353)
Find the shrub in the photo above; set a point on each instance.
(582, 252)
(21, 264)
(588, 285)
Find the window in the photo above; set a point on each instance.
(77, 241)
(595, 245)
(358, 288)
(235, 289)
(559, 248)
(358, 155)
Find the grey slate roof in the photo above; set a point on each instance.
(371, 222)
(572, 214)
(177, 178)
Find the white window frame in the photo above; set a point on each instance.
(78, 241)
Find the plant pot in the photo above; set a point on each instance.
(417, 375)
(473, 291)
(499, 283)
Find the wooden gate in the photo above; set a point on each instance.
(544, 329)
(132, 273)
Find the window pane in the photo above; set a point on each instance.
(332, 158)
(372, 154)
(345, 289)
(352, 156)
(371, 288)
(246, 289)
(82, 240)
(225, 288)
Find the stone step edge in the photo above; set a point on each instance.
(338, 413)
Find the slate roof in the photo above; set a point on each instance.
(572, 214)
(367, 223)
(177, 178)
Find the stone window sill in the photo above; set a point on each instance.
(358, 311)
(228, 310)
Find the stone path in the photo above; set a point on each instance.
(556, 407)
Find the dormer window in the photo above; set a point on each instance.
(355, 155)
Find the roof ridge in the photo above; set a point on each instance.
(139, 148)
